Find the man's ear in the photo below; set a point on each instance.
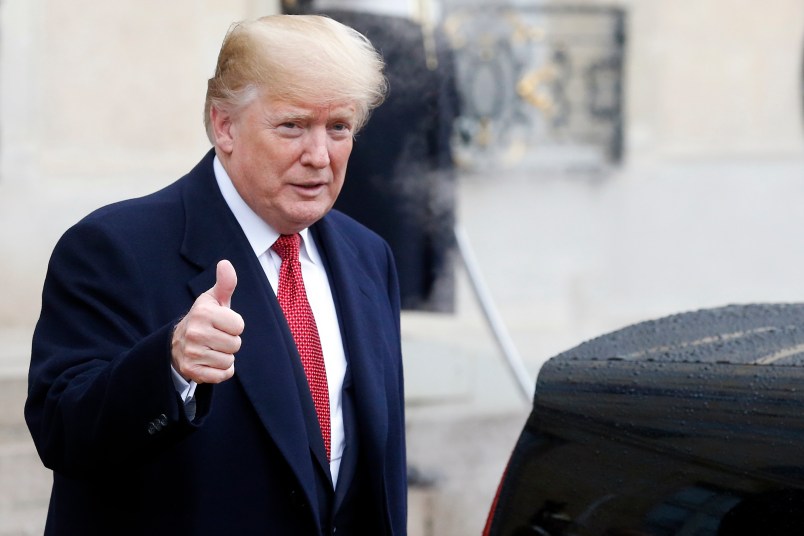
(222, 128)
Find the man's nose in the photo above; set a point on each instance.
(316, 149)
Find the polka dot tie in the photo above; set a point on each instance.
(293, 300)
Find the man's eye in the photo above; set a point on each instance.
(290, 128)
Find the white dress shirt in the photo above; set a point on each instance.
(261, 237)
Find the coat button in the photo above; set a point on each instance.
(157, 424)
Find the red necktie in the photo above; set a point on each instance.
(293, 300)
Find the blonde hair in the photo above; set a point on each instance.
(296, 58)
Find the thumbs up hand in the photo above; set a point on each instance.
(206, 339)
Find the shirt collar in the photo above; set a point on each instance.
(259, 234)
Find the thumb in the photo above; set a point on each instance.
(225, 283)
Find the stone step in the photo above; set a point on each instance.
(24, 489)
(13, 390)
(24, 481)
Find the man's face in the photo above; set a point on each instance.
(287, 160)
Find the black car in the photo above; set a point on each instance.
(692, 424)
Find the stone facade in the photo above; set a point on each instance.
(103, 100)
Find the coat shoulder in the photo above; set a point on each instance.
(354, 229)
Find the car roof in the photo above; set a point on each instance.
(756, 334)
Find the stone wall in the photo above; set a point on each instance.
(101, 101)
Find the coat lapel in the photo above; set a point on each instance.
(356, 294)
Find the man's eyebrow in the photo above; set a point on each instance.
(283, 117)
(346, 114)
(343, 114)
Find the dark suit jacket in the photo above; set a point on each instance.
(105, 416)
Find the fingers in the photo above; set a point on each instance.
(206, 340)
(203, 339)
(207, 312)
(208, 366)
(212, 375)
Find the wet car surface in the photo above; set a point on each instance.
(691, 424)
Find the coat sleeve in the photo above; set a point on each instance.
(100, 390)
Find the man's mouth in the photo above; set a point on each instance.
(309, 189)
